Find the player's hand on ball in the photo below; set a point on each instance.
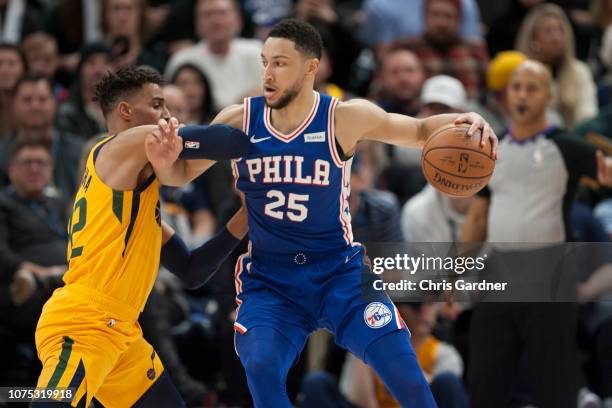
(479, 125)
(164, 145)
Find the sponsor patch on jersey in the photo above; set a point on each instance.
(314, 137)
(192, 145)
(377, 315)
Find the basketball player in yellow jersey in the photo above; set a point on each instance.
(88, 338)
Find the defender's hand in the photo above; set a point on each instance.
(164, 145)
(478, 124)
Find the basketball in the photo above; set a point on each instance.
(455, 163)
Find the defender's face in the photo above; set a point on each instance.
(528, 95)
(149, 106)
(283, 72)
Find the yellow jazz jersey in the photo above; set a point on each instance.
(114, 238)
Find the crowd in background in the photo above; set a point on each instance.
(414, 57)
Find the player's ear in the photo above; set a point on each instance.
(125, 111)
(312, 66)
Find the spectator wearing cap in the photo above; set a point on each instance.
(499, 71)
(387, 21)
(219, 54)
(440, 94)
(81, 114)
(443, 51)
(34, 111)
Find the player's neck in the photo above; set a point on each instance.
(291, 116)
(522, 131)
(114, 127)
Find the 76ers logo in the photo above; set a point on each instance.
(377, 315)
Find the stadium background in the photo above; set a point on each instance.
(53, 52)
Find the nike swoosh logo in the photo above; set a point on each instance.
(254, 140)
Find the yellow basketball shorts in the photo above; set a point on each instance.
(95, 349)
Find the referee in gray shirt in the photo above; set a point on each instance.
(528, 201)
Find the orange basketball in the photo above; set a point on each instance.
(454, 162)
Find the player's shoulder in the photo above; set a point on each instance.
(231, 115)
(355, 106)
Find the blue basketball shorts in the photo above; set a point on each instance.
(299, 293)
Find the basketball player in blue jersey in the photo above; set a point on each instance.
(303, 270)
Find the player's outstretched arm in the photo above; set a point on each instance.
(195, 268)
(360, 119)
(199, 146)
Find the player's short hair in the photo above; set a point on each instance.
(23, 142)
(306, 38)
(117, 85)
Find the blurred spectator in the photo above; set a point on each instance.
(33, 215)
(124, 27)
(400, 78)
(74, 23)
(32, 254)
(176, 102)
(386, 21)
(499, 71)
(324, 73)
(442, 94)
(81, 114)
(19, 18)
(546, 36)
(12, 67)
(528, 201)
(600, 124)
(338, 36)
(34, 113)
(40, 50)
(431, 216)
(374, 213)
(219, 54)
(196, 87)
(503, 30)
(443, 51)
(265, 13)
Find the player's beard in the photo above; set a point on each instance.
(287, 96)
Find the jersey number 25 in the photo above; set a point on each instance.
(295, 210)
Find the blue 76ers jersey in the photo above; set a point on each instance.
(296, 185)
